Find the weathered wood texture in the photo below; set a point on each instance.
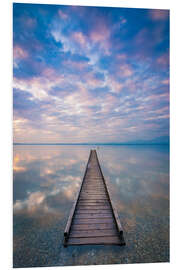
(93, 219)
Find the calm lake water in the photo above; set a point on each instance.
(46, 179)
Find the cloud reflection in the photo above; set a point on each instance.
(138, 178)
(48, 173)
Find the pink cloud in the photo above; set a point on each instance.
(30, 22)
(114, 85)
(49, 73)
(150, 38)
(125, 70)
(101, 35)
(141, 36)
(108, 103)
(159, 14)
(80, 65)
(80, 38)
(62, 14)
(158, 117)
(163, 110)
(39, 86)
(92, 81)
(19, 53)
(122, 56)
(166, 82)
(163, 60)
(155, 98)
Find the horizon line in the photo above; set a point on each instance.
(143, 143)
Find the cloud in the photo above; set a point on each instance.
(75, 65)
(94, 80)
(124, 70)
(101, 36)
(80, 38)
(79, 68)
(62, 14)
(166, 82)
(114, 85)
(19, 53)
(159, 14)
(39, 86)
(163, 60)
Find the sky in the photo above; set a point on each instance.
(90, 74)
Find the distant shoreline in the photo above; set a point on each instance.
(98, 144)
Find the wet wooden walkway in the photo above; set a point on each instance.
(93, 219)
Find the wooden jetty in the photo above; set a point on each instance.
(93, 219)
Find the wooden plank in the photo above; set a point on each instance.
(96, 184)
(86, 193)
(94, 215)
(91, 180)
(105, 226)
(92, 220)
(91, 188)
(97, 201)
(87, 181)
(95, 188)
(90, 193)
(93, 204)
(102, 190)
(93, 207)
(95, 177)
(93, 197)
(114, 240)
(93, 233)
(93, 211)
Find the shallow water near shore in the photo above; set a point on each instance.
(46, 180)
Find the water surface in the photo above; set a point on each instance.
(46, 179)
